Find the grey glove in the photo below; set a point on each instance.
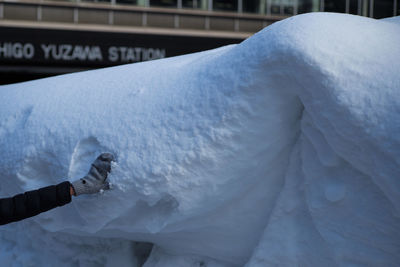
(95, 180)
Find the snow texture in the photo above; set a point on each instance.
(282, 150)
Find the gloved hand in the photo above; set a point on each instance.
(95, 180)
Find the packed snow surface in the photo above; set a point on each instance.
(282, 150)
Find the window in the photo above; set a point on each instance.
(282, 7)
(306, 6)
(353, 7)
(398, 8)
(275, 7)
(191, 3)
(97, 1)
(335, 6)
(383, 8)
(131, 2)
(225, 5)
(288, 7)
(251, 6)
(164, 3)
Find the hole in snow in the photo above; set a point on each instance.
(84, 153)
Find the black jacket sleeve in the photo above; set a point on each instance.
(34, 202)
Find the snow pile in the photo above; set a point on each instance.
(282, 150)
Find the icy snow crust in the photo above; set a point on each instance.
(282, 150)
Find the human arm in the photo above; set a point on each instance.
(33, 202)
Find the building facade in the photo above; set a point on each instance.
(40, 38)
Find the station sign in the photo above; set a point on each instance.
(75, 52)
(75, 48)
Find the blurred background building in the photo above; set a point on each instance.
(40, 38)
